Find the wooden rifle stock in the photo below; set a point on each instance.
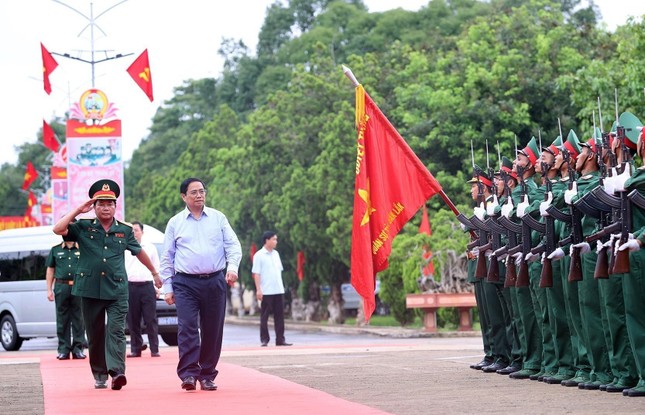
(621, 262)
(511, 273)
(546, 276)
(602, 264)
(493, 270)
(522, 279)
(482, 268)
(575, 270)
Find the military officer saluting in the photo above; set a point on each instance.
(101, 280)
(61, 266)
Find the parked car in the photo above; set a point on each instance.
(25, 311)
(351, 299)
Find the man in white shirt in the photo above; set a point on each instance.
(267, 273)
(142, 297)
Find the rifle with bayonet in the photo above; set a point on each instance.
(576, 237)
(512, 230)
(546, 276)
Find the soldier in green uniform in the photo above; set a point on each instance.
(634, 281)
(61, 266)
(101, 280)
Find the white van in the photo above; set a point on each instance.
(25, 311)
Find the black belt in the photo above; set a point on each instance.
(140, 282)
(66, 282)
(203, 276)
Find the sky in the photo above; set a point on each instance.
(182, 38)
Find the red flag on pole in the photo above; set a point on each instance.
(300, 266)
(49, 138)
(140, 73)
(254, 249)
(391, 185)
(30, 175)
(31, 202)
(49, 64)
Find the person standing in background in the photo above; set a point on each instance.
(142, 297)
(267, 274)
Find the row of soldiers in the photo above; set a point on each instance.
(558, 267)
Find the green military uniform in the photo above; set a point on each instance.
(69, 318)
(102, 283)
(634, 286)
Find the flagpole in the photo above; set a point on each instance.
(350, 75)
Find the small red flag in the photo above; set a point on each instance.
(49, 138)
(140, 72)
(391, 185)
(58, 173)
(30, 175)
(49, 64)
(425, 223)
(300, 267)
(31, 202)
(254, 249)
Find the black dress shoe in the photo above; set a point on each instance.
(509, 369)
(134, 354)
(480, 365)
(144, 347)
(63, 356)
(119, 381)
(264, 344)
(78, 355)
(284, 344)
(100, 384)
(155, 354)
(188, 383)
(493, 368)
(207, 385)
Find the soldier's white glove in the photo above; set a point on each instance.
(619, 181)
(542, 258)
(600, 246)
(556, 254)
(488, 252)
(491, 206)
(545, 205)
(569, 194)
(530, 257)
(463, 227)
(507, 208)
(631, 244)
(522, 206)
(475, 251)
(583, 246)
(608, 183)
(518, 258)
(479, 211)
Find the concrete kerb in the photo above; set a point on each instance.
(394, 332)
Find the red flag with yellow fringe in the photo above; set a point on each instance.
(391, 185)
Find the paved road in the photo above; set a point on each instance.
(403, 376)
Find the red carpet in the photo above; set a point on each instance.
(154, 388)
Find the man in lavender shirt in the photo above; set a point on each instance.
(201, 254)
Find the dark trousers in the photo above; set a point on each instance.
(272, 304)
(69, 320)
(142, 303)
(105, 344)
(201, 307)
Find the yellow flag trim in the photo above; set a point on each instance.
(360, 105)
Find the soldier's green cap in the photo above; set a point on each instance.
(554, 147)
(531, 151)
(104, 189)
(480, 176)
(507, 167)
(572, 145)
(632, 126)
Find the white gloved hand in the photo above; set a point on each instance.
(583, 246)
(542, 258)
(507, 208)
(491, 206)
(619, 181)
(488, 252)
(518, 258)
(479, 211)
(569, 194)
(599, 246)
(545, 205)
(631, 244)
(531, 257)
(522, 206)
(463, 227)
(475, 251)
(556, 254)
(608, 184)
